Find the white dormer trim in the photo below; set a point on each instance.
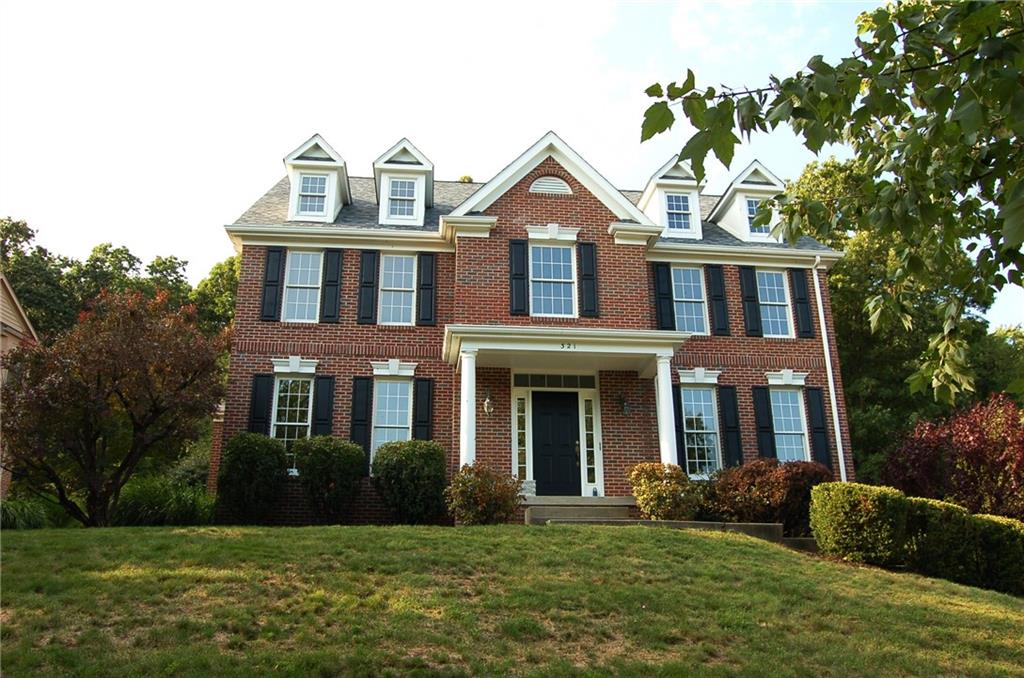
(675, 177)
(551, 145)
(755, 182)
(419, 204)
(404, 158)
(294, 364)
(786, 378)
(552, 232)
(393, 368)
(316, 157)
(699, 375)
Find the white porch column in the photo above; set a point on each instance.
(467, 408)
(666, 415)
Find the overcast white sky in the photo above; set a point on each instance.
(152, 125)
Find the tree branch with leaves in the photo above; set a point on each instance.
(932, 104)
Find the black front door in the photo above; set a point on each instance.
(556, 438)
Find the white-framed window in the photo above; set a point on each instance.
(773, 298)
(752, 206)
(392, 411)
(293, 412)
(552, 280)
(789, 422)
(677, 210)
(688, 300)
(402, 198)
(700, 431)
(302, 287)
(313, 194)
(397, 289)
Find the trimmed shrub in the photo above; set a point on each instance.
(479, 495)
(766, 491)
(251, 477)
(22, 514)
(328, 470)
(192, 468)
(159, 500)
(860, 523)
(664, 492)
(1001, 541)
(410, 476)
(942, 541)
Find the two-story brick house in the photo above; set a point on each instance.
(543, 322)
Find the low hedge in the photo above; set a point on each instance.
(410, 477)
(860, 523)
(882, 526)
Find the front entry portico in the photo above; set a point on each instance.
(556, 438)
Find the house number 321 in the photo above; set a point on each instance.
(568, 347)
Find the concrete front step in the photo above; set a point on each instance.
(540, 515)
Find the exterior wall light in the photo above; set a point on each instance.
(488, 404)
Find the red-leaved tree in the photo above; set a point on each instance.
(133, 376)
(974, 458)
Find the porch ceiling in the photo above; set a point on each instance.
(561, 348)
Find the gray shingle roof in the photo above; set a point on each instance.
(272, 208)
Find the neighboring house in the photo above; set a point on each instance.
(545, 322)
(15, 330)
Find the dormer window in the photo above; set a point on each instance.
(752, 206)
(313, 194)
(678, 211)
(402, 198)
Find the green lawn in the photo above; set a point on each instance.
(538, 600)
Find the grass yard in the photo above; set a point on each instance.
(509, 599)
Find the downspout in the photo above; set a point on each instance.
(828, 371)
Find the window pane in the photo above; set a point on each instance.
(752, 206)
(314, 184)
(678, 203)
(397, 272)
(771, 288)
(401, 208)
(775, 320)
(291, 415)
(552, 298)
(300, 303)
(771, 292)
(403, 188)
(383, 435)
(688, 290)
(396, 307)
(392, 403)
(677, 220)
(311, 204)
(304, 268)
(700, 427)
(551, 263)
(787, 418)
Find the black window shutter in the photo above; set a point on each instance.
(663, 296)
(367, 314)
(330, 287)
(819, 429)
(425, 289)
(423, 409)
(751, 307)
(677, 409)
(260, 403)
(588, 279)
(729, 417)
(763, 421)
(323, 405)
(273, 284)
(362, 401)
(518, 283)
(801, 302)
(716, 298)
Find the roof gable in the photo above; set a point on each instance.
(315, 149)
(11, 303)
(405, 157)
(754, 177)
(551, 145)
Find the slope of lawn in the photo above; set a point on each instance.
(509, 599)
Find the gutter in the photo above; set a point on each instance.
(829, 372)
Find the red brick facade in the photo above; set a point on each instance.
(473, 288)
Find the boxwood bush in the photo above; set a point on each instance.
(664, 492)
(251, 476)
(882, 526)
(860, 523)
(479, 495)
(410, 477)
(329, 470)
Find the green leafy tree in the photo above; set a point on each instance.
(38, 279)
(932, 104)
(133, 378)
(214, 296)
